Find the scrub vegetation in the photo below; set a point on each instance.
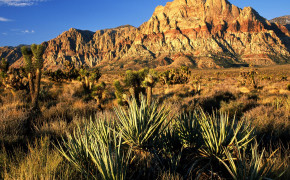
(179, 123)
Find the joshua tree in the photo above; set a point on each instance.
(3, 69)
(13, 79)
(70, 71)
(99, 94)
(119, 92)
(4, 65)
(150, 82)
(175, 76)
(249, 76)
(133, 82)
(33, 65)
(89, 77)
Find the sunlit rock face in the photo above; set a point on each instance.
(200, 33)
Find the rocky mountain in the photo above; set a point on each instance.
(197, 33)
(283, 20)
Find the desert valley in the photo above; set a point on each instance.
(199, 91)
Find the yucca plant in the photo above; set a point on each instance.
(188, 128)
(220, 132)
(255, 167)
(96, 151)
(142, 125)
(33, 64)
(149, 82)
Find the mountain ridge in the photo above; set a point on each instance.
(283, 20)
(198, 33)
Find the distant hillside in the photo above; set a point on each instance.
(283, 20)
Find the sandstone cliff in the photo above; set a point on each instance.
(200, 33)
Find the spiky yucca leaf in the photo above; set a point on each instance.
(96, 151)
(256, 167)
(219, 132)
(141, 125)
(37, 51)
(188, 128)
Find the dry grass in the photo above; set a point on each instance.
(40, 162)
(64, 106)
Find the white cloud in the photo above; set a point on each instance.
(5, 34)
(20, 3)
(28, 31)
(2, 19)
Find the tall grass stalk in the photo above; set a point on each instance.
(40, 162)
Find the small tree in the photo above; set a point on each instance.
(119, 93)
(3, 69)
(89, 77)
(33, 63)
(133, 83)
(150, 82)
(70, 71)
(175, 76)
(249, 77)
(99, 93)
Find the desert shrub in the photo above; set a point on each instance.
(213, 102)
(271, 124)
(237, 107)
(13, 119)
(56, 76)
(170, 176)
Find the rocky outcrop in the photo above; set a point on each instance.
(13, 54)
(283, 20)
(200, 28)
(200, 33)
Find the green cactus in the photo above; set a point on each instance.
(33, 64)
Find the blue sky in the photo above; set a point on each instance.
(35, 21)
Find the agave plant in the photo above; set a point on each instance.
(256, 168)
(220, 132)
(142, 125)
(96, 151)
